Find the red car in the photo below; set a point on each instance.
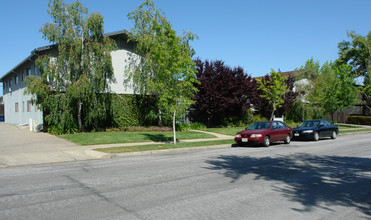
(264, 132)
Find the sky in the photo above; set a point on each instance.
(257, 35)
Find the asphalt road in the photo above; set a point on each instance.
(328, 179)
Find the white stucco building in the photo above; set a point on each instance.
(18, 108)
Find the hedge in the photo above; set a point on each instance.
(359, 120)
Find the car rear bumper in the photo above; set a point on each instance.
(250, 140)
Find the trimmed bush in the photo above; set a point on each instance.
(182, 127)
(359, 120)
(197, 126)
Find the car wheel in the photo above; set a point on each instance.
(315, 136)
(333, 135)
(288, 139)
(267, 141)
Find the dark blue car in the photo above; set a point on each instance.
(314, 130)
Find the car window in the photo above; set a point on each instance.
(316, 123)
(259, 125)
(274, 125)
(281, 125)
(327, 123)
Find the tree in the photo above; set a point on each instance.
(223, 92)
(334, 88)
(164, 67)
(81, 70)
(273, 90)
(356, 53)
(261, 104)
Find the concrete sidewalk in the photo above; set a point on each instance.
(20, 147)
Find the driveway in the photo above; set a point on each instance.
(19, 146)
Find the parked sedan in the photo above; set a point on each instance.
(264, 132)
(315, 129)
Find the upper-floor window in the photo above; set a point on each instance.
(10, 83)
(16, 107)
(16, 79)
(28, 72)
(29, 106)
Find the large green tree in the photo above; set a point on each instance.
(334, 88)
(164, 67)
(80, 71)
(357, 53)
(273, 90)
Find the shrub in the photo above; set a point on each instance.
(359, 120)
(197, 126)
(182, 127)
(256, 118)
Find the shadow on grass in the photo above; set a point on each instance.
(312, 180)
(158, 137)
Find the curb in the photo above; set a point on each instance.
(168, 151)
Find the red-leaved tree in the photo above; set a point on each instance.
(223, 92)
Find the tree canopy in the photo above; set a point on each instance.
(223, 92)
(74, 79)
(334, 88)
(273, 90)
(165, 67)
(356, 53)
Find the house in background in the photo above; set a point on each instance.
(18, 108)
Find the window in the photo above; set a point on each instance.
(281, 125)
(23, 106)
(10, 83)
(274, 126)
(28, 72)
(28, 106)
(16, 80)
(16, 107)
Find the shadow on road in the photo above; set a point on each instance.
(312, 180)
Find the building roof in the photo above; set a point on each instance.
(284, 74)
(35, 52)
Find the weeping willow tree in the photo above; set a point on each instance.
(72, 91)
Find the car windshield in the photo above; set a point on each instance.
(308, 124)
(259, 125)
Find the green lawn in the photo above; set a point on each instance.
(226, 131)
(347, 126)
(95, 138)
(354, 131)
(116, 150)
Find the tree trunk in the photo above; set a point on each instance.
(159, 118)
(79, 115)
(332, 116)
(174, 132)
(274, 108)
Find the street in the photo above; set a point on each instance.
(328, 179)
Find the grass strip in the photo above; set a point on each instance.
(355, 131)
(116, 150)
(114, 137)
